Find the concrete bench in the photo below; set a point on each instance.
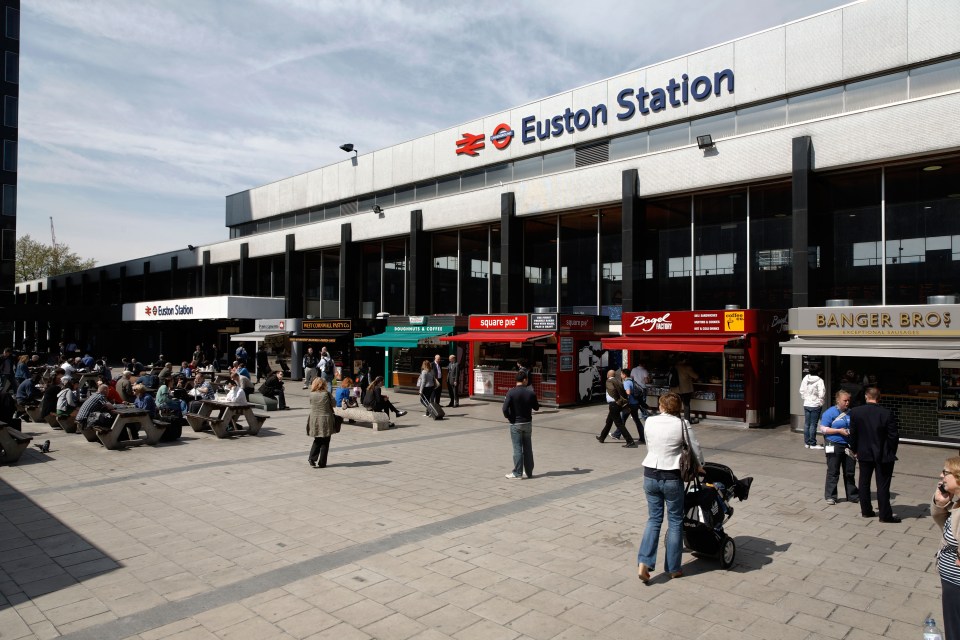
(67, 423)
(378, 419)
(51, 419)
(12, 444)
(31, 410)
(261, 401)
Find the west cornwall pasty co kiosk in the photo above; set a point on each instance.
(911, 352)
(554, 346)
(733, 353)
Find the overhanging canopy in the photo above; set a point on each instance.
(257, 336)
(873, 348)
(695, 344)
(496, 336)
(394, 339)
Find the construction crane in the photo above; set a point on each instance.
(53, 235)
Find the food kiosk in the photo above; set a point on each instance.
(555, 346)
(409, 340)
(734, 352)
(338, 336)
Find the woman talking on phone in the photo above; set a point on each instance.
(946, 513)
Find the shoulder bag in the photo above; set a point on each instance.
(688, 460)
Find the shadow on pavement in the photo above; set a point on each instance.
(360, 463)
(576, 471)
(40, 553)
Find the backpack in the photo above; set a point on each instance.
(328, 367)
(673, 378)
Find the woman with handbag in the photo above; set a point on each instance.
(672, 450)
(322, 423)
(946, 513)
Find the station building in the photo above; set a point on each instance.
(754, 207)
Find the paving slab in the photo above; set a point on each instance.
(415, 533)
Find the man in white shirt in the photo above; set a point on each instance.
(641, 377)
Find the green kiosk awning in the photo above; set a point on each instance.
(403, 336)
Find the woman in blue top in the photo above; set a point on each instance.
(343, 391)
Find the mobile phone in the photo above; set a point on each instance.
(942, 487)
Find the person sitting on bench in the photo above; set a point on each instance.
(374, 400)
(272, 387)
(95, 403)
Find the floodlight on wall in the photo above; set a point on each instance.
(349, 148)
(377, 209)
(705, 141)
(190, 247)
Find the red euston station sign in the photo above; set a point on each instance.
(499, 323)
(689, 322)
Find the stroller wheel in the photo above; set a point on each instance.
(728, 552)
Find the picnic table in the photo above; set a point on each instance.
(12, 443)
(223, 418)
(133, 423)
(88, 379)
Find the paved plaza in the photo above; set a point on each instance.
(415, 533)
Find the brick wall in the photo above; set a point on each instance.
(916, 416)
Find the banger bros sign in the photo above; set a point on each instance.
(912, 320)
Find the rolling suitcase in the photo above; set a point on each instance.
(434, 410)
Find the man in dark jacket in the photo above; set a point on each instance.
(273, 388)
(518, 408)
(616, 401)
(453, 374)
(874, 438)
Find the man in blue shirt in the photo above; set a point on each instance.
(835, 427)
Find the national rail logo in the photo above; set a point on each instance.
(471, 143)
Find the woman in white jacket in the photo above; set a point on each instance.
(663, 486)
(812, 391)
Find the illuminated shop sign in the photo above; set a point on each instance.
(630, 102)
(326, 325)
(499, 322)
(690, 322)
(911, 320)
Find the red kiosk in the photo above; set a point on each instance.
(734, 352)
(563, 353)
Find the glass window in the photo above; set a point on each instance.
(448, 186)
(844, 237)
(818, 104)
(528, 168)
(331, 211)
(289, 220)
(474, 271)
(499, 174)
(385, 198)
(495, 268)
(771, 241)
(9, 199)
(611, 257)
(579, 274)
(922, 224)
(444, 285)
(371, 277)
(677, 135)
(629, 146)
(9, 111)
(427, 190)
(761, 116)
(718, 126)
(348, 208)
(540, 264)
(473, 180)
(876, 91)
(935, 78)
(12, 67)
(395, 276)
(720, 250)
(276, 224)
(668, 247)
(405, 195)
(312, 270)
(330, 293)
(302, 219)
(366, 204)
(9, 245)
(263, 226)
(316, 215)
(13, 23)
(9, 155)
(559, 161)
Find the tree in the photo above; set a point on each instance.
(36, 260)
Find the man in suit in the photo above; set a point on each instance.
(874, 438)
(453, 373)
(438, 374)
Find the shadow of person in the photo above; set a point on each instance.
(360, 463)
(576, 471)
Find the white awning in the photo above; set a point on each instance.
(920, 349)
(256, 336)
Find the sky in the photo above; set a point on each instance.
(137, 119)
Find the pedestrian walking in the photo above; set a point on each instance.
(320, 423)
(812, 392)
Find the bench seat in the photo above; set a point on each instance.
(261, 401)
(378, 419)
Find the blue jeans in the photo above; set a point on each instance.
(520, 434)
(811, 417)
(660, 491)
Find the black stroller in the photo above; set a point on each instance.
(706, 506)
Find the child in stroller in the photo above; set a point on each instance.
(706, 506)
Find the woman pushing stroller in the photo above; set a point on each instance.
(663, 485)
